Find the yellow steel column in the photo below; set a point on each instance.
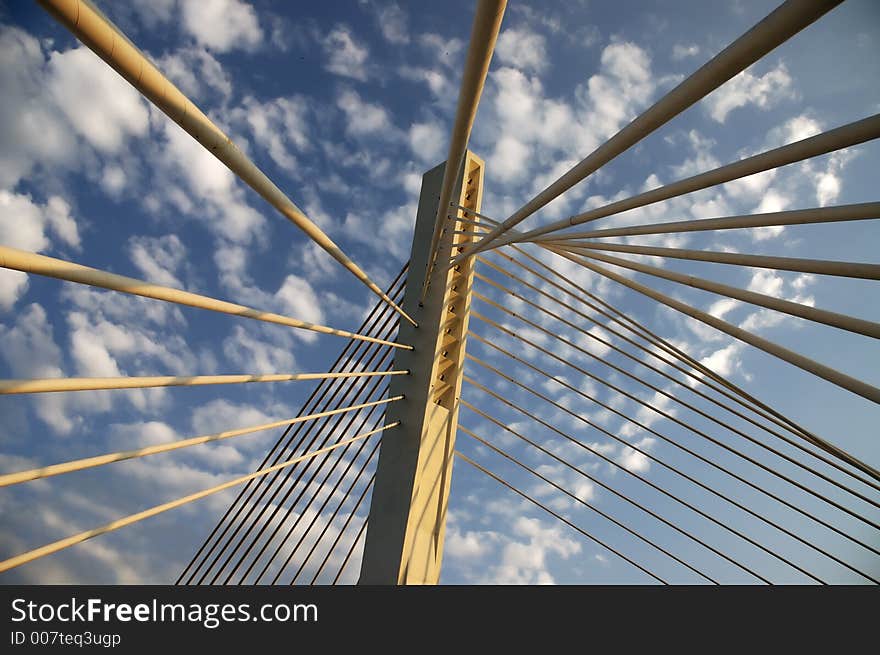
(406, 529)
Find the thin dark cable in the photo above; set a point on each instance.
(306, 430)
(321, 388)
(342, 530)
(687, 477)
(335, 513)
(791, 442)
(643, 332)
(350, 551)
(586, 504)
(646, 481)
(369, 353)
(767, 468)
(619, 494)
(260, 523)
(559, 517)
(301, 513)
(672, 442)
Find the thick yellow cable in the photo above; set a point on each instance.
(45, 385)
(61, 544)
(29, 262)
(109, 458)
(108, 42)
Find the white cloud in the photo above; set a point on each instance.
(427, 141)
(100, 105)
(522, 49)
(29, 347)
(23, 223)
(49, 101)
(27, 225)
(530, 134)
(438, 83)
(196, 71)
(681, 51)
(827, 189)
(720, 308)
(795, 129)
(113, 180)
(345, 56)
(13, 284)
(747, 89)
(465, 545)
(280, 126)
(158, 258)
(297, 297)
(222, 25)
(363, 118)
(441, 49)
(30, 350)
(138, 435)
(393, 23)
(635, 461)
(724, 361)
(509, 160)
(702, 161)
(395, 235)
(222, 205)
(31, 133)
(766, 282)
(221, 415)
(525, 562)
(294, 295)
(254, 355)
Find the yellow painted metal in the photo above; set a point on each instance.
(30, 262)
(842, 380)
(423, 547)
(45, 385)
(781, 24)
(109, 458)
(861, 131)
(484, 34)
(406, 529)
(61, 544)
(110, 44)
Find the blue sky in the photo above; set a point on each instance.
(344, 106)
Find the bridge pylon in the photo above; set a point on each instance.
(407, 519)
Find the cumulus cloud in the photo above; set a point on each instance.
(396, 233)
(196, 72)
(533, 132)
(522, 49)
(100, 105)
(442, 49)
(427, 141)
(27, 225)
(633, 460)
(295, 295)
(346, 57)
(158, 258)
(222, 25)
(29, 349)
(393, 23)
(525, 561)
(248, 352)
(746, 88)
(681, 51)
(48, 107)
(195, 174)
(363, 118)
(279, 125)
